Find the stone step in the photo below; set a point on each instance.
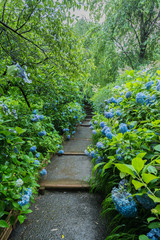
(63, 184)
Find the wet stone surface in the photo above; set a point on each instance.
(69, 167)
(78, 145)
(83, 133)
(76, 216)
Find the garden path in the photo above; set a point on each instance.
(72, 213)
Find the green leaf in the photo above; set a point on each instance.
(141, 155)
(119, 136)
(19, 130)
(138, 164)
(11, 69)
(155, 199)
(148, 177)
(4, 224)
(125, 169)
(154, 225)
(107, 165)
(21, 218)
(137, 184)
(143, 237)
(157, 147)
(96, 166)
(150, 219)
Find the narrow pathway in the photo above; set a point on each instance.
(72, 213)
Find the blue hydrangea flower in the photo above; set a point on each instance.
(119, 154)
(123, 128)
(19, 182)
(149, 84)
(67, 129)
(119, 100)
(116, 87)
(146, 201)
(93, 154)
(140, 98)
(37, 155)
(150, 100)
(105, 129)
(121, 93)
(86, 152)
(99, 145)
(102, 124)
(61, 151)
(15, 150)
(113, 100)
(128, 94)
(34, 111)
(109, 115)
(41, 117)
(95, 122)
(154, 234)
(91, 127)
(123, 184)
(33, 149)
(68, 137)
(158, 87)
(36, 118)
(73, 132)
(109, 135)
(94, 132)
(42, 133)
(106, 107)
(43, 172)
(124, 203)
(118, 113)
(36, 162)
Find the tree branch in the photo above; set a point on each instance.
(4, 7)
(122, 48)
(20, 35)
(134, 30)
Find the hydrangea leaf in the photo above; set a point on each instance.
(125, 168)
(148, 177)
(19, 130)
(3, 224)
(119, 136)
(138, 164)
(137, 184)
(21, 218)
(143, 237)
(154, 225)
(96, 166)
(157, 148)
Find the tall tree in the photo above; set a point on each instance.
(133, 25)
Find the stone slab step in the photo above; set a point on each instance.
(64, 184)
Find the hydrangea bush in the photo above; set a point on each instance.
(129, 132)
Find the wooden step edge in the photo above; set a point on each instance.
(74, 153)
(84, 125)
(65, 187)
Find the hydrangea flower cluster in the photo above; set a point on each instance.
(109, 115)
(102, 124)
(149, 84)
(118, 113)
(146, 201)
(140, 98)
(33, 149)
(108, 134)
(19, 182)
(119, 154)
(43, 172)
(154, 234)
(99, 145)
(94, 132)
(42, 133)
(128, 94)
(123, 184)
(123, 128)
(124, 203)
(36, 162)
(37, 155)
(119, 100)
(61, 152)
(113, 100)
(37, 117)
(25, 197)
